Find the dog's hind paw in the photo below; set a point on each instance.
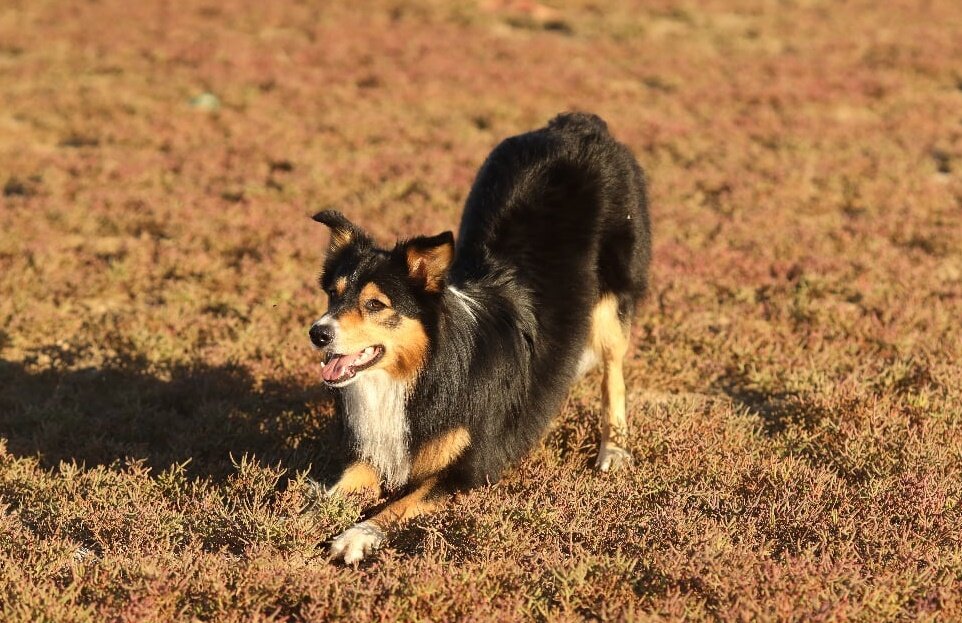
(612, 458)
(356, 542)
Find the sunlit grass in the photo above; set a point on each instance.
(794, 382)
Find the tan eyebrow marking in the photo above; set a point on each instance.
(371, 291)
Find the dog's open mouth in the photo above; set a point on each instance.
(339, 368)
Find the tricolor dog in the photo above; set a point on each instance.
(449, 358)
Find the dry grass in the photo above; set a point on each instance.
(794, 380)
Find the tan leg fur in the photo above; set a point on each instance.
(609, 340)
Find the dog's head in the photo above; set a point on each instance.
(380, 301)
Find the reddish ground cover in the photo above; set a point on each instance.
(794, 381)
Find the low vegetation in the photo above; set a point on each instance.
(794, 379)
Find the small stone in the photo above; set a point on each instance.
(205, 101)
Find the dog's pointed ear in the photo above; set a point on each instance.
(428, 259)
(343, 231)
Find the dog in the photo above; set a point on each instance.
(449, 359)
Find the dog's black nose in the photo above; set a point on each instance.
(321, 335)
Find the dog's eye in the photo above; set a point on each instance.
(374, 305)
(331, 292)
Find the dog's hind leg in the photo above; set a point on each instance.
(609, 340)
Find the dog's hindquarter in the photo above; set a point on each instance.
(555, 227)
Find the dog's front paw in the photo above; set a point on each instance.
(356, 542)
(612, 458)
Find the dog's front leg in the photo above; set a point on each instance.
(431, 473)
(363, 538)
(358, 476)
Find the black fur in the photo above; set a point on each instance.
(556, 219)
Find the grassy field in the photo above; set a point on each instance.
(795, 387)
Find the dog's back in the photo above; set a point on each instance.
(563, 202)
(559, 216)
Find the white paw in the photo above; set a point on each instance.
(612, 458)
(357, 542)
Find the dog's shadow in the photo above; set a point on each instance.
(202, 415)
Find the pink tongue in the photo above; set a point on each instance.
(335, 368)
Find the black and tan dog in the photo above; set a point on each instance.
(450, 360)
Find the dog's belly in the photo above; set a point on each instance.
(374, 411)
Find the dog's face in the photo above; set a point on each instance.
(379, 302)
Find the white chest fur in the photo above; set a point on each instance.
(374, 411)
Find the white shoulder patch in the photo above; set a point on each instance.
(469, 303)
(374, 410)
